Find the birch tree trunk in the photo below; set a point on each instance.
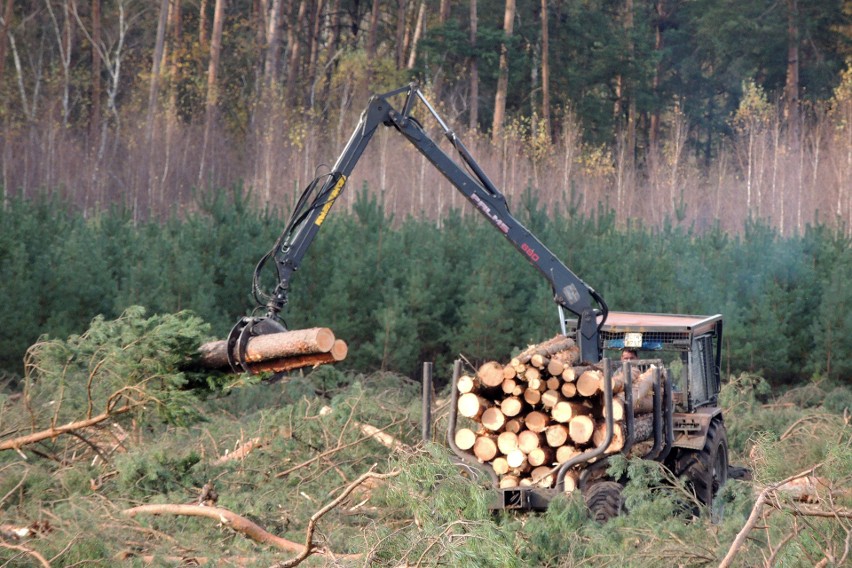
(418, 31)
(503, 74)
(791, 86)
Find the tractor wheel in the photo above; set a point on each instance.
(604, 500)
(706, 470)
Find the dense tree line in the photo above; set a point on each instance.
(659, 108)
(403, 291)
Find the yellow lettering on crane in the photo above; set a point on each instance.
(338, 187)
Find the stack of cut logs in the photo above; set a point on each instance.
(538, 411)
(283, 351)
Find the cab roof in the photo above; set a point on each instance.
(620, 322)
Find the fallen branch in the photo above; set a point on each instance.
(755, 515)
(224, 516)
(327, 453)
(26, 550)
(53, 432)
(241, 452)
(309, 546)
(377, 434)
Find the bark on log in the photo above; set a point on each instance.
(214, 355)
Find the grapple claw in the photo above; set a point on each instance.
(240, 334)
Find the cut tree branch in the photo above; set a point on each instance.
(41, 559)
(755, 515)
(309, 546)
(224, 516)
(17, 443)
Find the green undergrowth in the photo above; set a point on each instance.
(307, 444)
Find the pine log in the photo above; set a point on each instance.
(514, 425)
(554, 345)
(509, 481)
(291, 363)
(569, 375)
(298, 342)
(529, 440)
(555, 367)
(556, 435)
(471, 405)
(550, 398)
(542, 476)
(465, 438)
(580, 429)
(517, 460)
(590, 383)
(617, 442)
(532, 396)
(511, 406)
(500, 465)
(564, 410)
(509, 386)
(540, 456)
(536, 421)
(507, 442)
(643, 427)
(553, 383)
(466, 384)
(568, 390)
(490, 374)
(509, 372)
(617, 408)
(539, 361)
(570, 481)
(485, 448)
(533, 377)
(565, 453)
(493, 419)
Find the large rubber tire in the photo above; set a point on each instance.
(604, 500)
(706, 470)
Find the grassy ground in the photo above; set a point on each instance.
(290, 456)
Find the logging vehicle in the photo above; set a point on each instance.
(546, 422)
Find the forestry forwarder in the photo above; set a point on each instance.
(690, 441)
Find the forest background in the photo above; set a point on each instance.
(678, 156)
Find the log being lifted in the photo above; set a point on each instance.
(282, 351)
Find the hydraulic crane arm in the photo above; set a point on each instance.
(570, 292)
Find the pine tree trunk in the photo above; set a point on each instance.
(545, 69)
(473, 120)
(212, 80)
(503, 74)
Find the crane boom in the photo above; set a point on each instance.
(569, 291)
